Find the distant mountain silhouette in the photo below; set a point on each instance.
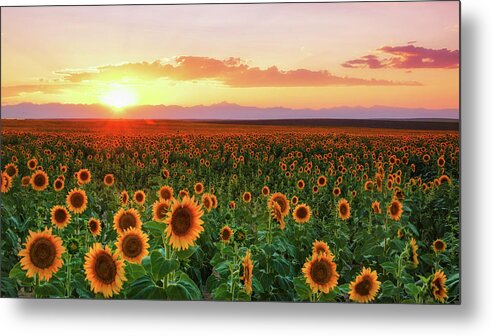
(221, 111)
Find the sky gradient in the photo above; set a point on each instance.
(300, 56)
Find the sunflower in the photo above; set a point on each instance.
(365, 287)
(207, 202)
(444, 179)
(232, 205)
(11, 170)
(368, 185)
(6, 183)
(198, 188)
(183, 193)
(400, 234)
(322, 180)
(42, 255)
(124, 197)
(376, 207)
(343, 209)
(104, 270)
(139, 197)
(265, 191)
(441, 161)
(77, 201)
(159, 210)
(184, 223)
(320, 273)
(165, 193)
(247, 272)
(336, 191)
(226, 234)
(215, 202)
(94, 226)
(39, 180)
(59, 184)
(395, 210)
(60, 216)
(414, 257)
(320, 247)
(133, 245)
(84, 176)
(247, 197)
(126, 219)
(302, 213)
(439, 246)
(282, 201)
(32, 164)
(276, 212)
(301, 184)
(439, 289)
(25, 181)
(108, 180)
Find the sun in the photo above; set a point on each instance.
(119, 98)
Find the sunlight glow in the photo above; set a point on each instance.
(119, 98)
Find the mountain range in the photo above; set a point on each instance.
(221, 111)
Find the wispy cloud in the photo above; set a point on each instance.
(232, 72)
(407, 57)
(16, 90)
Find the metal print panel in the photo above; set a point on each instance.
(300, 152)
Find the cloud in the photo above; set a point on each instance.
(16, 90)
(232, 72)
(408, 57)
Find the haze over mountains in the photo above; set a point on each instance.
(221, 111)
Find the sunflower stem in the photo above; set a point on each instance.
(67, 285)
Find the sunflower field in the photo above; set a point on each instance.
(201, 211)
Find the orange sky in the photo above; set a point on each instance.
(291, 55)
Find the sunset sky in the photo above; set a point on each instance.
(263, 55)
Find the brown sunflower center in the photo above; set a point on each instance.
(207, 203)
(84, 176)
(394, 209)
(301, 212)
(93, 226)
(280, 201)
(226, 234)
(77, 200)
(131, 246)
(139, 197)
(32, 164)
(58, 184)
(42, 253)
(39, 180)
(438, 285)
(105, 268)
(439, 245)
(127, 221)
(343, 209)
(109, 180)
(321, 272)
(11, 171)
(181, 221)
(165, 194)
(60, 215)
(363, 288)
(161, 211)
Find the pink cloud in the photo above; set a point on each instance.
(232, 72)
(408, 57)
